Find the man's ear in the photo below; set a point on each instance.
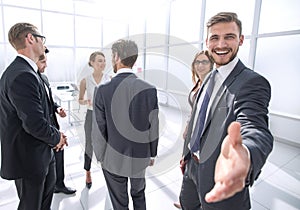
(30, 38)
(116, 58)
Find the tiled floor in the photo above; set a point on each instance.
(278, 187)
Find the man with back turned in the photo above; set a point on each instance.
(126, 117)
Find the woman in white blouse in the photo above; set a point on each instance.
(87, 86)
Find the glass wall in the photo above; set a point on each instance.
(168, 32)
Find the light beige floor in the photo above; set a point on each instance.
(278, 187)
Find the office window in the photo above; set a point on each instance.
(137, 27)
(244, 10)
(88, 32)
(279, 15)
(89, 8)
(185, 20)
(61, 65)
(277, 59)
(2, 32)
(112, 31)
(179, 77)
(157, 24)
(243, 53)
(155, 67)
(60, 33)
(30, 16)
(22, 3)
(138, 67)
(65, 6)
(2, 61)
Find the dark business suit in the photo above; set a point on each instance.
(126, 113)
(59, 156)
(27, 136)
(243, 97)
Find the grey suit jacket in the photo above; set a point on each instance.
(125, 129)
(243, 97)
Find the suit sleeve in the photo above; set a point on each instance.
(26, 95)
(56, 106)
(99, 126)
(251, 108)
(154, 128)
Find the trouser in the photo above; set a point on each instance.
(60, 172)
(117, 188)
(189, 195)
(88, 154)
(35, 193)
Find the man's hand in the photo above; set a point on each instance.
(61, 112)
(232, 166)
(183, 165)
(63, 142)
(152, 160)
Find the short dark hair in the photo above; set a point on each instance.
(225, 17)
(127, 50)
(18, 32)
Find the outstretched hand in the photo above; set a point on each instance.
(232, 166)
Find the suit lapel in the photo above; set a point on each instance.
(228, 81)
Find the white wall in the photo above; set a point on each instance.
(168, 33)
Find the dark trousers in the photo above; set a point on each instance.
(88, 153)
(35, 193)
(189, 195)
(60, 171)
(117, 188)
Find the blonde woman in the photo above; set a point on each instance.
(86, 93)
(201, 66)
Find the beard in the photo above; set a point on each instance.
(222, 62)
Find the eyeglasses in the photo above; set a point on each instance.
(204, 62)
(42, 37)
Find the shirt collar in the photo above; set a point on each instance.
(31, 62)
(227, 69)
(124, 70)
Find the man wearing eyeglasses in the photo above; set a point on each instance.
(27, 135)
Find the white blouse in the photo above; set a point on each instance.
(91, 84)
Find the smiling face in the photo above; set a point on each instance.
(202, 66)
(223, 41)
(99, 63)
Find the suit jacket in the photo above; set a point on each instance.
(27, 135)
(125, 129)
(52, 105)
(243, 97)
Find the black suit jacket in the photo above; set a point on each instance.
(27, 136)
(126, 113)
(244, 97)
(52, 105)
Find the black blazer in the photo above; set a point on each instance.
(244, 97)
(27, 136)
(126, 113)
(52, 105)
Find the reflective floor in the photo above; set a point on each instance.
(278, 187)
